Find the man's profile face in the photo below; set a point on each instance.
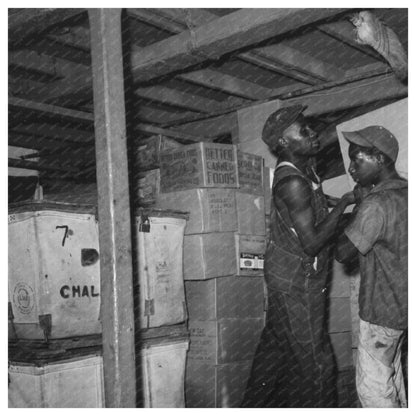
(302, 140)
(364, 166)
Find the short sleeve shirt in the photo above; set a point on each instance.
(380, 233)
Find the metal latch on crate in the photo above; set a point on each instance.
(144, 226)
(45, 322)
(149, 307)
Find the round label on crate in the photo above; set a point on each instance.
(23, 298)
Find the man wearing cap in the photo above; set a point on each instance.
(378, 232)
(293, 365)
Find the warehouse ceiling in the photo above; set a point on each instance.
(187, 71)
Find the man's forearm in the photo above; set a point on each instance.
(326, 229)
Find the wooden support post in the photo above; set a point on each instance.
(113, 209)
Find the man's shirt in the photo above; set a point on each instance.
(380, 233)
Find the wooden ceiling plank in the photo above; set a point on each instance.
(159, 20)
(217, 80)
(25, 23)
(304, 63)
(263, 61)
(147, 128)
(55, 131)
(278, 58)
(179, 98)
(223, 35)
(344, 32)
(48, 109)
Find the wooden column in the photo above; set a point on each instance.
(117, 314)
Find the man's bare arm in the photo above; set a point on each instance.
(295, 192)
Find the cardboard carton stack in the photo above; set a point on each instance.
(223, 255)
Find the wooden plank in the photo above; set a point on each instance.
(26, 23)
(351, 95)
(263, 61)
(117, 307)
(344, 32)
(150, 114)
(26, 164)
(225, 34)
(184, 18)
(43, 143)
(217, 80)
(55, 131)
(178, 98)
(147, 128)
(302, 63)
(48, 109)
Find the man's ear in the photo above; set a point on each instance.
(380, 159)
(282, 142)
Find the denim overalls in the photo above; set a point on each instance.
(294, 364)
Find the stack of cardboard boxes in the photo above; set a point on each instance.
(224, 246)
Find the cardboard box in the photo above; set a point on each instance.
(224, 340)
(199, 165)
(147, 151)
(209, 255)
(210, 209)
(250, 173)
(250, 251)
(339, 315)
(341, 344)
(225, 297)
(250, 214)
(147, 187)
(216, 386)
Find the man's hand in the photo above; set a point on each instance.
(360, 193)
(349, 198)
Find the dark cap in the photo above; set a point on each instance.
(279, 121)
(375, 136)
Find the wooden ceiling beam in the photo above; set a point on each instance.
(278, 58)
(26, 23)
(55, 131)
(183, 99)
(344, 32)
(51, 110)
(298, 63)
(223, 35)
(147, 128)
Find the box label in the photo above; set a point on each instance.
(250, 261)
(250, 173)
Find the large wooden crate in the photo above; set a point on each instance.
(54, 271)
(159, 237)
(162, 369)
(75, 382)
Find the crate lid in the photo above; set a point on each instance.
(46, 205)
(161, 213)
